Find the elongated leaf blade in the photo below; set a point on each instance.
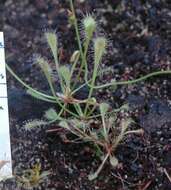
(66, 75)
(38, 96)
(53, 44)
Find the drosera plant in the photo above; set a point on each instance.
(31, 178)
(108, 135)
(105, 137)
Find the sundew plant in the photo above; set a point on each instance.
(108, 135)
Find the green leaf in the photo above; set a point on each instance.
(51, 114)
(92, 101)
(90, 25)
(45, 67)
(64, 125)
(113, 161)
(125, 124)
(65, 74)
(53, 44)
(100, 44)
(104, 107)
(103, 110)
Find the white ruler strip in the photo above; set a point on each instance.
(5, 146)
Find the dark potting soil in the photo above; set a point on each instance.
(139, 35)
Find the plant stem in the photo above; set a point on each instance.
(74, 66)
(59, 75)
(95, 175)
(77, 89)
(128, 82)
(76, 29)
(92, 110)
(138, 131)
(92, 86)
(84, 60)
(27, 86)
(104, 128)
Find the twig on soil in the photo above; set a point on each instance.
(120, 178)
(167, 175)
(147, 185)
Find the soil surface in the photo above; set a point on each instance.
(139, 34)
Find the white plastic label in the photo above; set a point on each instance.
(5, 146)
